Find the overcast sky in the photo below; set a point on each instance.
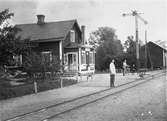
(95, 13)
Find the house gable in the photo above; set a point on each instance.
(78, 35)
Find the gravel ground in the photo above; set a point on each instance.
(20, 105)
(145, 102)
(16, 106)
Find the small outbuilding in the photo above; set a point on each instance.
(157, 54)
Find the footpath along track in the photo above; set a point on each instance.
(47, 113)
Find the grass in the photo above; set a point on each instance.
(8, 91)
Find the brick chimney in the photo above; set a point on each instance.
(83, 34)
(41, 19)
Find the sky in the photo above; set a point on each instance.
(96, 13)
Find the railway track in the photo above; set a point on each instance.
(50, 112)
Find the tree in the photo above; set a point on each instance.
(36, 64)
(130, 55)
(10, 44)
(101, 35)
(130, 47)
(107, 46)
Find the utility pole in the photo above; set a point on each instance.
(136, 15)
(137, 41)
(146, 49)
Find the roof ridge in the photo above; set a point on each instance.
(70, 28)
(162, 46)
(48, 22)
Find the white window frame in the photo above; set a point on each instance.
(18, 59)
(72, 35)
(92, 59)
(65, 59)
(48, 52)
(73, 53)
(83, 52)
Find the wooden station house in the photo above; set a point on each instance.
(64, 39)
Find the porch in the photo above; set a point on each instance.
(80, 59)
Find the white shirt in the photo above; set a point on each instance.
(112, 68)
(124, 64)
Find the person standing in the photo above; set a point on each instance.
(124, 67)
(112, 73)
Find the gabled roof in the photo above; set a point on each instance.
(51, 30)
(161, 44)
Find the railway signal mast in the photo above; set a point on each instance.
(137, 16)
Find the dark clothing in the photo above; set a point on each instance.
(133, 69)
(123, 70)
(112, 80)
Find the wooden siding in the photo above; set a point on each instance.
(49, 46)
(71, 50)
(156, 55)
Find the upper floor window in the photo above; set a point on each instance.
(72, 36)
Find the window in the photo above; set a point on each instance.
(83, 57)
(72, 36)
(47, 56)
(91, 58)
(65, 59)
(70, 59)
(17, 60)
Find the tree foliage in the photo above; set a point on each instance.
(101, 35)
(107, 46)
(130, 55)
(10, 44)
(130, 47)
(35, 64)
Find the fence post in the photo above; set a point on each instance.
(77, 76)
(35, 86)
(61, 82)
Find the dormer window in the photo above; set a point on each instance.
(72, 36)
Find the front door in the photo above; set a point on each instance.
(72, 62)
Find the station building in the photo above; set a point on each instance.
(64, 39)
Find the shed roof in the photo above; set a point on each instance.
(162, 44)
(43, 32)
